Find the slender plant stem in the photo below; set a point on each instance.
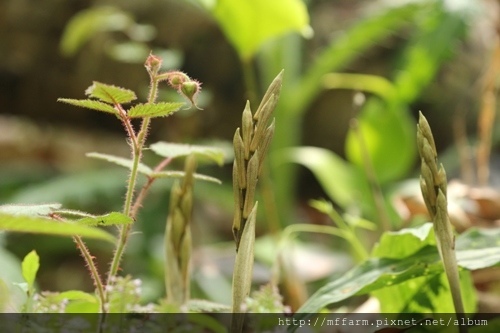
(377, 194)
(125, 230)
(250, 81)
(136, 158)
(89, 260)
(128, 125)
(145, 188)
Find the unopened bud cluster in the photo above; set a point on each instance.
(433, 179)
(178, 236)
(251, 144)
(178, 80)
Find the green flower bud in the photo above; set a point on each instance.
(190, 89)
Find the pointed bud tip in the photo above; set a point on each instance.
(153, 63)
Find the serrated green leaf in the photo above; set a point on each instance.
(30, 210)
(110, 94)
(40, 225)
(154, 110)
(90, 104)
(182, 174)
(249, 23)
(113, 218)
(124, 162)
(475, 249)
(30, 266)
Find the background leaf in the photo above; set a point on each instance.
(343, 50)
(249, 23)
(121, 161)
(174, 150)
(44, 226)
(84, 25)
(182, 174)
(30, 210)
(30, 266)
(343, 183)
(475, 249)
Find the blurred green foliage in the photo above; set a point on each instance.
(266, 42)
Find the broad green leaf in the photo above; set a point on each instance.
(30, 210)
(174, 150)
(77, 301)
(110, 94)
(181, 174)
(82, 306)
(40, 225)
(90, 104)
(85, 24)
(479, 248)
(124, 162)
(30, 266)
(402, 243)
(250, 23)
(388, 134)
(73, 295)
(475, 249)
(113, 218)
(428, 294)
(343, 183)
(154, 110)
